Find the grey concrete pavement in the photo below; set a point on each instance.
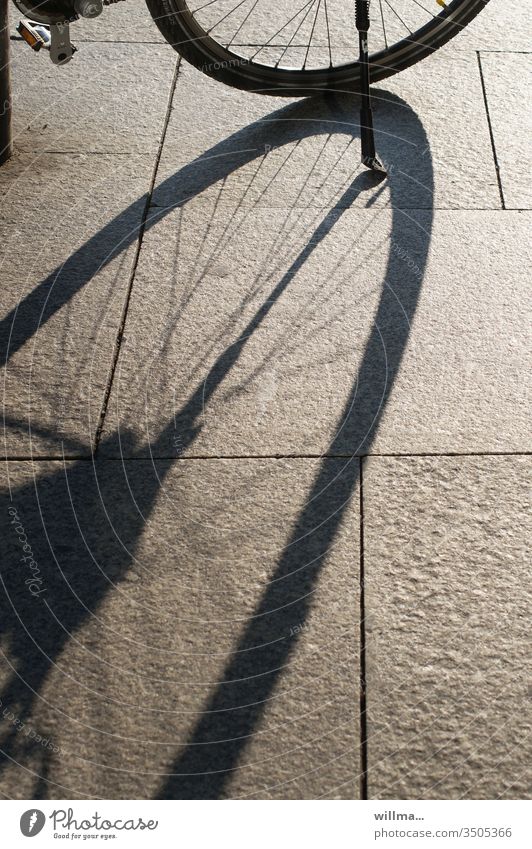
(124, 21)
(271, 339)
(112, 103)
(507, 77)
(447, 612)
(503, 26)
(194, 377)
(154, 648)
(445, 116)
(64, 288)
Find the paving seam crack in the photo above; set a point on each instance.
(490, 128)
(142, 230)
(236, 457)
(363, 681)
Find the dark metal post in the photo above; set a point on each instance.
(5, 86)
(367, 136)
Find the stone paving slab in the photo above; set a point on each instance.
(271, 332)
(111, 98)
(508, 81)
(124, 21)
(500, 26)
(69, 227)
(161, 623)
(206, 626)
(432, 132)
(448, 606)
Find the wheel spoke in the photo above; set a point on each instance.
(312, 33)
(316, 34)
(279, 31)
(328, 33)
(255, 4)
(300, 24)
(383, 25)
(224, 17)
(397, 15)
(421, 6)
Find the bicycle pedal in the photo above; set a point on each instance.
(55, 38)
(35, 34)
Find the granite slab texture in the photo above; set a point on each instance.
(430, 123)
(340, 332)
(209, 318)
(448, 608)
(65, 270)
(161, 649)
(111, 98)
(508, 79)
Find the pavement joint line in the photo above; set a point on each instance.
(142, 230)
(490, 128)
(416, 208)
(46, 458)
(206, 457)
(133, 42)
(523, 52)
(118, 41)
(363, 678)
(78, 152)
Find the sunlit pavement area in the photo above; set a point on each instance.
(266, 499)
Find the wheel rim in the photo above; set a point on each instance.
(312, 43)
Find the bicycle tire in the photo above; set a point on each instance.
(178, 26)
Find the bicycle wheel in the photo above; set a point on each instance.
(298, 48)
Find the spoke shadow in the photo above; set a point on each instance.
(86, 519)
(203, 768)
(322, 115)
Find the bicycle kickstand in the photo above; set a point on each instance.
(367, 136)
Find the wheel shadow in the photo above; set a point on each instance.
(86, 518)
